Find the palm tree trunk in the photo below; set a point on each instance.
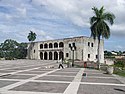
(98, 52)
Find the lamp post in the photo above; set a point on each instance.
(73, 48)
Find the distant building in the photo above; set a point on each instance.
(80, 48)
(120, 57)
(114, 53)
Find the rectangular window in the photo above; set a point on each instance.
(96, 56)
(67, 54)
(88, 43)
(92, 44)
(88, 55)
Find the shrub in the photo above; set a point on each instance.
(120, 64)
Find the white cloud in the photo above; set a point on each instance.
(41, 35)
(79, 11)
(22, 11)
(56, 18)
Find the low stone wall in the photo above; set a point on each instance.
(89, 64)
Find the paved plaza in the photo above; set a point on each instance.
(44, 77)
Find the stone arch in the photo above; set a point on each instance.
(41, 55)
(45, 45)
(55, 56)
(61, 55)
(61, 44)
(50, 45)
(55, 45)
(41, 46)
(50, 55)
(45, 56)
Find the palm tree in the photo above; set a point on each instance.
(31, 37)
(99, 27)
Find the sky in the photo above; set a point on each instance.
(57, 19)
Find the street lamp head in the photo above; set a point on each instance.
(73, 44)
(70, 45)
(75, 48)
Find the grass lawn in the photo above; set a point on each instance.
(120, 72)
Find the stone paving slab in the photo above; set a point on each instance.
(16, 77)
(32, 72)
(93, 71)
(42, 87)
(66, 74)
(46, 70)
(25, 74)
(99, 75)
(38, 77)
(56, 78)
(5, 83)
(6, 71)
(70, 70)
(16, 69)
(100, 89)
(100, 80)
(61, 71)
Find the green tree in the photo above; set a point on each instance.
(31, 36)
(11, 49)
(99, 27)
(21, 51)
(7, 48)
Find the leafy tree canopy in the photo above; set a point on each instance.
(11, 49)
(99, 26)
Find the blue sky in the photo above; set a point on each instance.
(55, 19)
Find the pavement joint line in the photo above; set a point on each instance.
(74, 85)
(25, 92)
(106, 84)
(25, 74)
(37, 71)
(68, 72)
(12, 80)
(24, 81)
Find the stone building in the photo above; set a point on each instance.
(77, 48)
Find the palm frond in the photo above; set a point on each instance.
(106, 31)
(93, 20)
(109, 17)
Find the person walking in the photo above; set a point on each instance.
(60, 63)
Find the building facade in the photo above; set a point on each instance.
(77, 48)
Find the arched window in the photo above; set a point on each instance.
(56, 45)
(50, 55)
(61, 44)
(45, 56)
(50, 45)
(61, 55)
(41, 46)
(55, 56)
(45, 45)
(41, 55)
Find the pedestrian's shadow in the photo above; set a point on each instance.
(119, 89)
(106, 73)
